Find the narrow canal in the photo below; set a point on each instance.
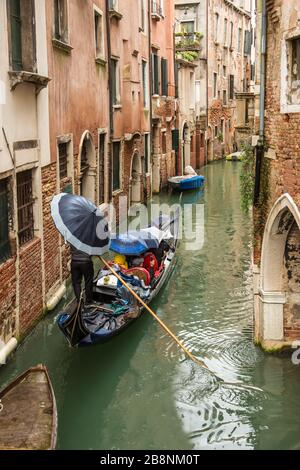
(137, 392)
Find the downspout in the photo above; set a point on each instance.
(111, 108)
(207, 121)
(150, 89)
(261, 141)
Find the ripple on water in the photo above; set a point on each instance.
(215, 415)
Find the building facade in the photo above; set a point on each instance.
(87, 107)
(229, 75)
(276, 213)
(191, 56)
(164, 103)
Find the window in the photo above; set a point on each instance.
(215, 85)
(231, 87)
(61, 20)
(5, 252)
(147, 152)
(102, 140)
(22, 35)
(164, 77)
(99, 38)
(240, 40)
(216, 26)
(225, 31)
(155, 74)
(116, 166)
(115, 78)
(188, 27)
(223, 129)
(216, 131)
(63, 160)
(224, 97)
(113, 5)
(295, 72)
(145, 84)
(164, 142)
(25, 203)
(224, 70)
(247, 43)
(231, 35)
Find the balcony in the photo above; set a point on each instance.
(113, 10)
(188, 45)
(156, 11)
(19, 77)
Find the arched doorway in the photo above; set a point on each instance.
(136, 179)
(279, 295)
(186, 147)
(88, 170)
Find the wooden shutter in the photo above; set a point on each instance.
(231, 87)
(155, 74)
(4, 221)
(164, 76)
(16, 34)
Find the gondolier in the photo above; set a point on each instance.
(82, 267)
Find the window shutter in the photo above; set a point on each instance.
(16, 34)
(231, 87)
(4, 222)
(155, 74)
(164, 76)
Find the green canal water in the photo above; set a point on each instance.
(138, 392)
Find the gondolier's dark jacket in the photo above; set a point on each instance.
(79, 256)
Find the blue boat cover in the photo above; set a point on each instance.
(133, 243)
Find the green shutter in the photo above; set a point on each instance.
(116, 166)
(155, 74)
(4, 239)
(16, 34)
(164, 76)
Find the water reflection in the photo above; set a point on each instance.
(138, 392)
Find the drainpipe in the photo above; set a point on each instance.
(207, 16)
(150, 88)
(7, 349)
(111, 108)
(261, 141)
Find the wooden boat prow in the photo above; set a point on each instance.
(28, 413)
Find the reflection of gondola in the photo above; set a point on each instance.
(28, 416)
(114, 308)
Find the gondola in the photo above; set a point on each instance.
(186, 182)
(114, 309)
(28, 414)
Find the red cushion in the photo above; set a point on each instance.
(141, 273)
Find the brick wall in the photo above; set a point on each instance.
(7, 299)
(282, 139)
(30, 285)
(51, 236)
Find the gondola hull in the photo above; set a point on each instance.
(28, 413)
(74, 324)
(186, 183)
(103, 335)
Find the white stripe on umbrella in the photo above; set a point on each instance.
(68, 236)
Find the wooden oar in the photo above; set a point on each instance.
(162, 324)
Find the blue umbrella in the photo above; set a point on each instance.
(81, 223)
(133, 243)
